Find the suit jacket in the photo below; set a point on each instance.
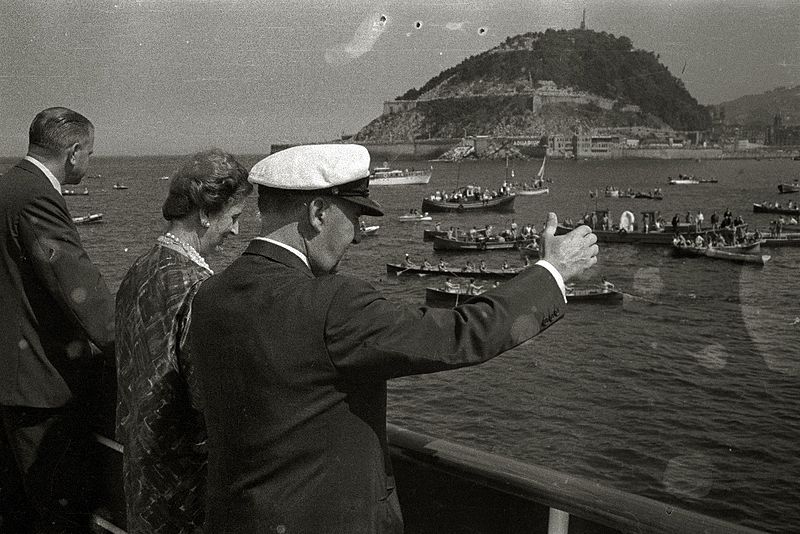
(53, 300)
(294, 370)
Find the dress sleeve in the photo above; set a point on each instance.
(53, 245)
(369, 338)
(185, 366)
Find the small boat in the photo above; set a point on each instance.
(766, 208)
(164, 178)
(385, 175)
(369, 230)
(120, 186)
(531, 192)
(789, 188)
(683, 181)
(92, 218)
(534, 188)
(479, 245)
(469, 203)
(398, 269)
(441, 298)
(415, 217)
(531, 250)
(656, 195)
(611, 192)
(75, 192)
(720, 254)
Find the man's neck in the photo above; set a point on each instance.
(53, 164)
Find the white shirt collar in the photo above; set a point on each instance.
(46, 171)
(287, 247)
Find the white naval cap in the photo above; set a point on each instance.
(335, 169)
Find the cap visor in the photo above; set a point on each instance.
(368, 207)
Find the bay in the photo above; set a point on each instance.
(689, 394)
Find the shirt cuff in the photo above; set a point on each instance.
(556, 275)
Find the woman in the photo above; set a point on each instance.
(159, 421)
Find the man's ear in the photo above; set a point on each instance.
(317, 213)
(71, 153)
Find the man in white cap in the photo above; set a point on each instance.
(293, 359)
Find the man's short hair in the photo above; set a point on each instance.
(56, 129)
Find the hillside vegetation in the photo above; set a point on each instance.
(490, 93)
(759, 110)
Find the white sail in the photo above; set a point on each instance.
(540, 174)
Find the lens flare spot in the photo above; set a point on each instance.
(79, 295)
(74, 349)
(647, 282)
(714, 356)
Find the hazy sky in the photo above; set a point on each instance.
(174, 76)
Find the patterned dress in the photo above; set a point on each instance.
(159, 418)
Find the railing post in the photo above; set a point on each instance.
(558, 522)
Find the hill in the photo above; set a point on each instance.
(759, 110)
(554, 82)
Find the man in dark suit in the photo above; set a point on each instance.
(54, 303)
(293, 359)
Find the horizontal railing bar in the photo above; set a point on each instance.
(574, 495)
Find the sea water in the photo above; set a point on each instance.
(688, 392)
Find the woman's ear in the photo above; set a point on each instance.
(204, 222)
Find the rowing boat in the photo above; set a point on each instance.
(92, 218)
(720, 254)
(397, 269)
(441, 298)
(481, 245)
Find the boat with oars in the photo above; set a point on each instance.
(399, 269)
(479, 245)
(733, 253)
(456, 294)
(776, 208)
(789, 188)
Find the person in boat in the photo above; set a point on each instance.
(408, 263)
(426, 264)
(675, 223)
(442, 265)
(698, 241)
(605, 284)
(482, 266)
(505, 266)
(468, 267)
(451, 287)
(56, 304)
(473, 288)
(314, 352)
(438, 226)
(362, 225)
(699, 218)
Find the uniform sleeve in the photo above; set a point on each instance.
(54, 248)
(369, 338)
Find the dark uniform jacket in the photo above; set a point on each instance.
(53, 300)
(294, 370)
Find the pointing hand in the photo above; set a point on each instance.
(570, 254)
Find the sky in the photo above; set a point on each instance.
(176, 76)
